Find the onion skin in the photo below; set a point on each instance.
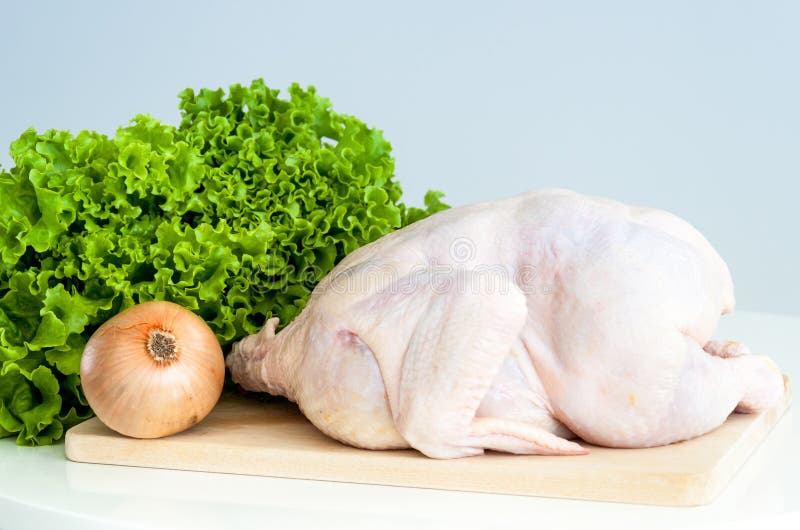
(137, 395)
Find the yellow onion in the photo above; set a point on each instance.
(153, 370)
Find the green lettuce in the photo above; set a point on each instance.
(235, 214)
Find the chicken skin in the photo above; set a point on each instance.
(517, 325)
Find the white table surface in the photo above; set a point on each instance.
(41, 489)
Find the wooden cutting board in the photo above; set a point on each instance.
(248, 436)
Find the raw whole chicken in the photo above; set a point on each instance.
(517, 325)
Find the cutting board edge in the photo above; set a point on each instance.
(680, 488)
(722, 473)
(684, 493)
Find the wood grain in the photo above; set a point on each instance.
(247, 436)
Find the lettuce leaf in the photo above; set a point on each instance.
(235, 214)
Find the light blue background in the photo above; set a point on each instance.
(688, 106)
